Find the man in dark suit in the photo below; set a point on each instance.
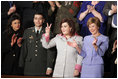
(110, 10)
(36, 60)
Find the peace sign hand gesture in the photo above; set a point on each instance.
(47, 29)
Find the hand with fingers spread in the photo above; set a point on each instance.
(47, 29)
(75, 45)
(19, 41)
(72, 44)
(13, 39)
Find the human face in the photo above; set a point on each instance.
(38, 20)
(94, 29)
(65, 28)
(15, 25)
(95, 2)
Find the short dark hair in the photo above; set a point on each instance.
(39, 13)
(93, 20)
(70, 23)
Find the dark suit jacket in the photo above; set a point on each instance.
(106, 9)
(34, 58)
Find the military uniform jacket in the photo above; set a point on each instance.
(34, 58)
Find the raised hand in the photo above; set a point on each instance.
(12, 9)
(13, 39)
(47, 29)
(89, 8)
(92, 8)
(95, 41)
(72, 44)
(58, 4)
(52, 5)
(19, 41)
(75, 45)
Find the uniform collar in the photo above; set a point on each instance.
(36, 29)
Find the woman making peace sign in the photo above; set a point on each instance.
(68, 62)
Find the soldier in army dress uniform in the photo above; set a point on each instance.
(34, 58)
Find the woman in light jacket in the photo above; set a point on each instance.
(94, 47)
(68, 61)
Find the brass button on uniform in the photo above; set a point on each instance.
(35, 54)
(14, 55)
(36, 46)
(36, 41)
(35, 50)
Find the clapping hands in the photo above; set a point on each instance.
(90, 8)
(72, 44)
(19, 41)
(14, 39)
(95, 41)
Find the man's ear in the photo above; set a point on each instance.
(43, 20)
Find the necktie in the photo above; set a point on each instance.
(37, 33)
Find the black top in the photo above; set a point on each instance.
(10, 55)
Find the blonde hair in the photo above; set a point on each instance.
(94, 20)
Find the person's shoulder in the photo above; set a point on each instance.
(88, 36)
(103, 37)
(59, 35)
(29, 29)
(78, 36)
